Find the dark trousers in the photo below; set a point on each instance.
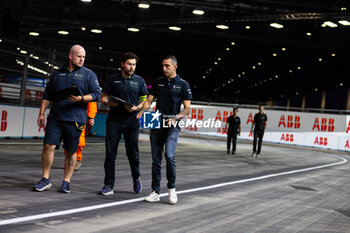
(114, 131)
(258, 135)
(159, 138)
(231, 137)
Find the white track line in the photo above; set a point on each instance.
(40, 143)
(117, 203)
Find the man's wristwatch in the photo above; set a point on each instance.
(82, 98)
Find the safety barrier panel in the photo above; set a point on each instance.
(328, 131)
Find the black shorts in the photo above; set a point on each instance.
(69, 132)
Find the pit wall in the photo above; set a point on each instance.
(328, 131)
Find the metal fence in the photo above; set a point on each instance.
(22, 77)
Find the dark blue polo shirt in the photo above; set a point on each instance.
(129, 90)
(87, 83)
(260, 120)
(234, 123)
(170, 94)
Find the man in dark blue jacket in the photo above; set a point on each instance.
(67, 115)
(171, 92)
(131, 88)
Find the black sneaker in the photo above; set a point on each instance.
(65, 187)
(137, 185)
(233, 152)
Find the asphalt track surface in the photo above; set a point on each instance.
(288, 189)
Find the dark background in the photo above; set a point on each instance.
(198, 45)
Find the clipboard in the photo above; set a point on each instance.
(120, 101)
(63, 94)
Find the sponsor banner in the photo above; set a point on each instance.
(294, 128)
(344, 143)
(278, 121)
(321, 140)
(291, 138)
(327, 131)
(11, 121)
(347, 125)
(31, 128)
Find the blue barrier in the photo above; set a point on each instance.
(100, 124)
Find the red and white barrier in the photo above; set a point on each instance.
(319, 130)
(11, 121)
(19, 122)
(328, 131)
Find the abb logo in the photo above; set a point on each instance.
(292, 122)
(221, 131)
(326, 124)
(195, 114)
(287, 137)
(348, 128)
(3, 121)
(226, 114)
(323, 141)
(250, 118)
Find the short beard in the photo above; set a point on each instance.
(128, 73)
(74, 66)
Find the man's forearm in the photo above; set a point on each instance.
(183, 113)
(43, 106)
(147, 104)
(87, 98)
(141, 105)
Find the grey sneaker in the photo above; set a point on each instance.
(77, 165)
(153, 197)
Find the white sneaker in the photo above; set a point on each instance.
(172, 196)
(258, 155)
(253, 155)
(153, 197)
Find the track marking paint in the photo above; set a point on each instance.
(117, 203)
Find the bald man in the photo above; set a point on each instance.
(67, 115)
